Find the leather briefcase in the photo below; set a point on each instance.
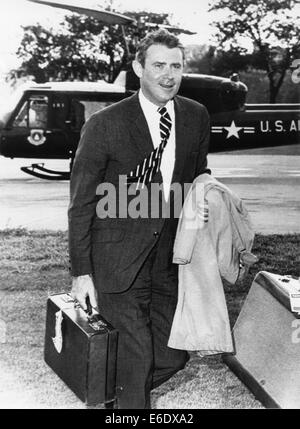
(81, 350)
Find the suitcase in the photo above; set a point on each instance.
(82, 351)
(267, 342)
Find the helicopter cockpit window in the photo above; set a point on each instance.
(21, 119)
(33, 113)
(38, 109)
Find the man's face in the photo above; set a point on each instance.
(161, 75)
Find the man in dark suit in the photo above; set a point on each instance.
(124, 263)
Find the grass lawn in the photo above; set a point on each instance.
(34, 264)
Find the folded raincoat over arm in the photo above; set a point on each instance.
(206, 254)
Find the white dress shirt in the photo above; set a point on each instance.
(152, 116)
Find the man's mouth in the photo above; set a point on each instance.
(167, 85)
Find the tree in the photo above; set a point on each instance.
(199, 59)
(272, 29)
(211, 60)
(82, 49)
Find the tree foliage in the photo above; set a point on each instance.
(269, 25)
(214, 61)
(81, 49)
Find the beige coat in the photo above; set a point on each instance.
(206, 254)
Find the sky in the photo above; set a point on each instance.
(191, 14)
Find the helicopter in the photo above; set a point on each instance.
(44, 121)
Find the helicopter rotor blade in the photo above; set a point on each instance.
(170, 28)
(105, 16)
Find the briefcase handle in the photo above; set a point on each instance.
(89, 308)
(95, 322)
(94, 319)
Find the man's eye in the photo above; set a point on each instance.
(158, 66)
(177, 66)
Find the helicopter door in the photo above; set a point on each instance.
(58, 132)
(76, 120)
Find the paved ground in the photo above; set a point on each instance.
(267, 179)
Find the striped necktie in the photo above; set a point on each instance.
(144, 172)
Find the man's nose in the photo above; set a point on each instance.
(169, 72)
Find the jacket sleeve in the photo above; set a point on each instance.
(203, 142)
(187, 230)
(88, 172)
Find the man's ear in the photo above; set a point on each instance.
(138, 68)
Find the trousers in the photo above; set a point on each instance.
(143, 315)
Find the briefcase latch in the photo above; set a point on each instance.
(96, 323)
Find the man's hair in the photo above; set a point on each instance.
(158, 37)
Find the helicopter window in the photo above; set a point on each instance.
(38, 109)
(21, 119)
(82, 109)
(91, 107)
(33, 113)
(77, 117)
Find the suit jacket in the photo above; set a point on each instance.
(113, 142)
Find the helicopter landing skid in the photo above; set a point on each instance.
(51, 174)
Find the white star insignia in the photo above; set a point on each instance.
(233, 130)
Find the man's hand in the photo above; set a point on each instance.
(83, 287)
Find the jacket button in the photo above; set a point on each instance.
(156, 234)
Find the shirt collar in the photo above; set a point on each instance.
(151, 108)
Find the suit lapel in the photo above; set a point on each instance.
(139, 130)
(181, 133)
